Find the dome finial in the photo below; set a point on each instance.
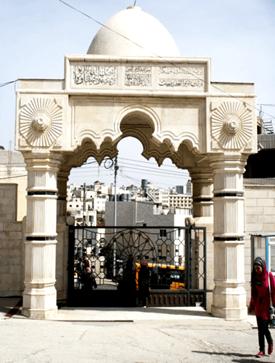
(132, 6)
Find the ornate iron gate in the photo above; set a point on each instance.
(103, 260)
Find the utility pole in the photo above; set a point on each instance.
(108, 164)
(116, 167)
(84, 205)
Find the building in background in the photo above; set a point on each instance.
(13, 171)
(87, 202)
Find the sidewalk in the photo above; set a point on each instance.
(134, 335)
(97, 314)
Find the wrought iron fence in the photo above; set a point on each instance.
(104, 260)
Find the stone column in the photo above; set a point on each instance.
(39, 297)
(62, 179)
(229, 296)
(62, 232)
(202, 181)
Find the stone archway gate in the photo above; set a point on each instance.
(171, 106)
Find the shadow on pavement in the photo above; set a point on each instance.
(10, 306)
(196, 312)
(247, 360)
(175, 311)
(240, 357)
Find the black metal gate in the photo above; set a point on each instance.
(104, 260)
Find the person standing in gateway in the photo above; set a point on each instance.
(143, 283)
(262, 294)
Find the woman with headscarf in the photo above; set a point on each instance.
(262, 293)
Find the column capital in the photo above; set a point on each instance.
(228, 162)
(203, 175)
(43, 161)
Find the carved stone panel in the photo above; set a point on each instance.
(94, 75)
(182, 76)
(231, 125)
(40, 121)
(122, 75)
(138, 76)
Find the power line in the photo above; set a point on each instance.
(130, 160)
(134, 170)
(7, 83)
(4, 84)
(144, 162)
(157, 55)
(98, 22)
(159, 182)
(132, 164)
(137, 168)
(150, 169)
(12, 177)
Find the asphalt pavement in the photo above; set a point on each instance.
(133, 335)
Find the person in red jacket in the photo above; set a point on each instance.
(260, 302)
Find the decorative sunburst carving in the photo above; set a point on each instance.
(231, 125)
(41, 122)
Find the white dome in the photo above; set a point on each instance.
(132, 32)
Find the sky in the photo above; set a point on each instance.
(238, 36)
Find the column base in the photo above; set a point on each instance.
(229, 302)
(39, 314)
(229, 313)
(40, 303)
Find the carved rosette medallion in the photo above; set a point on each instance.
(231, 125)
(40, 122)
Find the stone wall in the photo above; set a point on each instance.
(13, 171)
(259, 215)
(11, 243)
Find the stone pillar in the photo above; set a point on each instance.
(62, 237)
(62, 179)
(39, 297)
(229, 296)
(202, 181)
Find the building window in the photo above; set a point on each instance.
(162, 233)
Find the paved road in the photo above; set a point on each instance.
(128, 336)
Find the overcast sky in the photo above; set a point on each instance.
(238, 36)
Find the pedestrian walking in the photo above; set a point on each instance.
(262, 297)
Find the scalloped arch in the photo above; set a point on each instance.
(94, 137)
(87, 149)
(140, 122)
(176, 140)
